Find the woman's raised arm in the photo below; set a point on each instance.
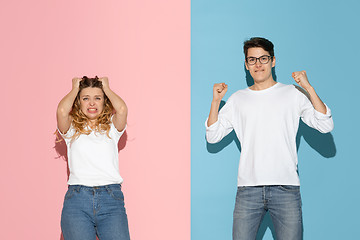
(65, 106)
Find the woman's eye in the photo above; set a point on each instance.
(85, 99)
(98, 98)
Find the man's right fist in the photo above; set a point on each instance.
(219, 91)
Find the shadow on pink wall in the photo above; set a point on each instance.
(61, 150)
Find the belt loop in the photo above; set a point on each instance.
(108, 189)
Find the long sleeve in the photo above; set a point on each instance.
(223, 126)
(319, 121)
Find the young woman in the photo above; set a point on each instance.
(91, 118)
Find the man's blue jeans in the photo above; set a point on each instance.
(283, 204)
(94, 211)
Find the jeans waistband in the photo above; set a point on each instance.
(95, 188)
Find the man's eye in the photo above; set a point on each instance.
(251, 59)
(264, 58)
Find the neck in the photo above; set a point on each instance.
(263, 85)
(92, 123)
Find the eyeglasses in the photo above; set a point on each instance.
(263, 59)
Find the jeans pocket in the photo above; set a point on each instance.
(290, 188)
(69, 194)
(116, 193)
(240, 191)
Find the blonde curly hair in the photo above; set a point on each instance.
(80, 120)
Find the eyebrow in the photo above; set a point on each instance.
(89, 96)
(259, 56)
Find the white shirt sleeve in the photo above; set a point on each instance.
(223, 126)
(311, 117)
(68, 135)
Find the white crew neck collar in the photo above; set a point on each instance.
(266, 89)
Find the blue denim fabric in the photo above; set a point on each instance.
(283, 204)
(94, 211)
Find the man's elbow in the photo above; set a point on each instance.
(327, 128)
(212, 139)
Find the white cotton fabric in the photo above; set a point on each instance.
(266, 123)
(93, 159)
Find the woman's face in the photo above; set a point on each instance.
(91, 102)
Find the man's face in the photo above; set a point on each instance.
(260, 72)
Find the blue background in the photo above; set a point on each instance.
(321, 37)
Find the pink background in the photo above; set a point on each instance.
(143, 47)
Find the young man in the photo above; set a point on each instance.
(265, 118)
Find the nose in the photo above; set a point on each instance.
(258, 63)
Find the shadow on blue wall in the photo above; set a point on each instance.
(266, 223)
(217, 147)
(322, 143)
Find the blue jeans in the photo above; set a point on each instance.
(94, 211)
(283, 204)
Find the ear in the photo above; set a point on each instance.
(246, 66)
(273, 61)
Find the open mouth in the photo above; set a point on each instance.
(92, 110)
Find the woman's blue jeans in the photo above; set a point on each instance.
(94, 211)
(283, 204)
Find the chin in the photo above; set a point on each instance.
(259, 80)
(92, 117)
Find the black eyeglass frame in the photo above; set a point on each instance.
(256, 59)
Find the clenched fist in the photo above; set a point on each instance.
(301, 79)
(219, 91)
(76, 82)
(104, 81)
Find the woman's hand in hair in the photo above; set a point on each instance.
(65, 105)
(118, 103)
(104, 81)
(76, 82)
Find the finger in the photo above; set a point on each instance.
(219, 89)
(218, 85)
(295, 74)
(224, 89)
(296, 77)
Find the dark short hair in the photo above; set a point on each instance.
(90, 82)
(259, 42)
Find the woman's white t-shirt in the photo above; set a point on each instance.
(93, 159)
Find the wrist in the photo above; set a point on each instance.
(105, 88)
(75, 89)
(216, 101)
(309, 88)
